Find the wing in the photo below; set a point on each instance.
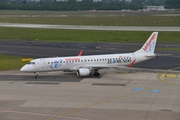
(93, 67)
(126, 68)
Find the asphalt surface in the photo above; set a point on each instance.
(79, 27)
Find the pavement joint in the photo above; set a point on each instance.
(159, 76)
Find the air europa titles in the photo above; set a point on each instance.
(72, 59)
(149, 42)
(121, 59)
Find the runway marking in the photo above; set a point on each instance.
(39, 114)
(169, 75)
(154, 91)
(160, 75)
(160, 79)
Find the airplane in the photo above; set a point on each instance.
(91, 64)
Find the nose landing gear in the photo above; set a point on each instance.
(37, 75)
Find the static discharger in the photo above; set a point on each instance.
(26, 59)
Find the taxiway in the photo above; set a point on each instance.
(79, 27)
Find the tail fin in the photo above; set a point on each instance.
(149, 45)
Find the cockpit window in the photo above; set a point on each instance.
(31, 63)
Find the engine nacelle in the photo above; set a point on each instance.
(83, 72)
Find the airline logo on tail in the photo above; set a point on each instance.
(149, 43)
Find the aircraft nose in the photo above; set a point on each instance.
(24, 68)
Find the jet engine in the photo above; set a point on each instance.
(83, 72)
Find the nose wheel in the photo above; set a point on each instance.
(36, 75)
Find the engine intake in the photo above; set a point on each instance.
(83, 72)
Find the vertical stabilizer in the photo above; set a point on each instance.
(149, 45)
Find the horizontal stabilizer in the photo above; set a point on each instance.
(150, 55)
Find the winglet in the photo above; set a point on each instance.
(80, 53)
(149, 45)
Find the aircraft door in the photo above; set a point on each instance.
(43, 63)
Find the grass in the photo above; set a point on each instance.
(10, 62)
(104, 18)
(99, 21)
(83, 35)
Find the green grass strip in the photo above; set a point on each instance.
(10, 62)
(83, 35)
(99, 20)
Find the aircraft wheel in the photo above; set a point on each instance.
(96, 74)
(37, 75)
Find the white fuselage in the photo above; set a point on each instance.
(75, 62)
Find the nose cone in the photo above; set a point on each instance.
(23, 69)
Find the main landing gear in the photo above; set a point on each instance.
(37, 75)
(96, 73)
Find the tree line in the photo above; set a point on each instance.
(84, 5)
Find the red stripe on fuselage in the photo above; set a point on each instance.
(130, 65)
